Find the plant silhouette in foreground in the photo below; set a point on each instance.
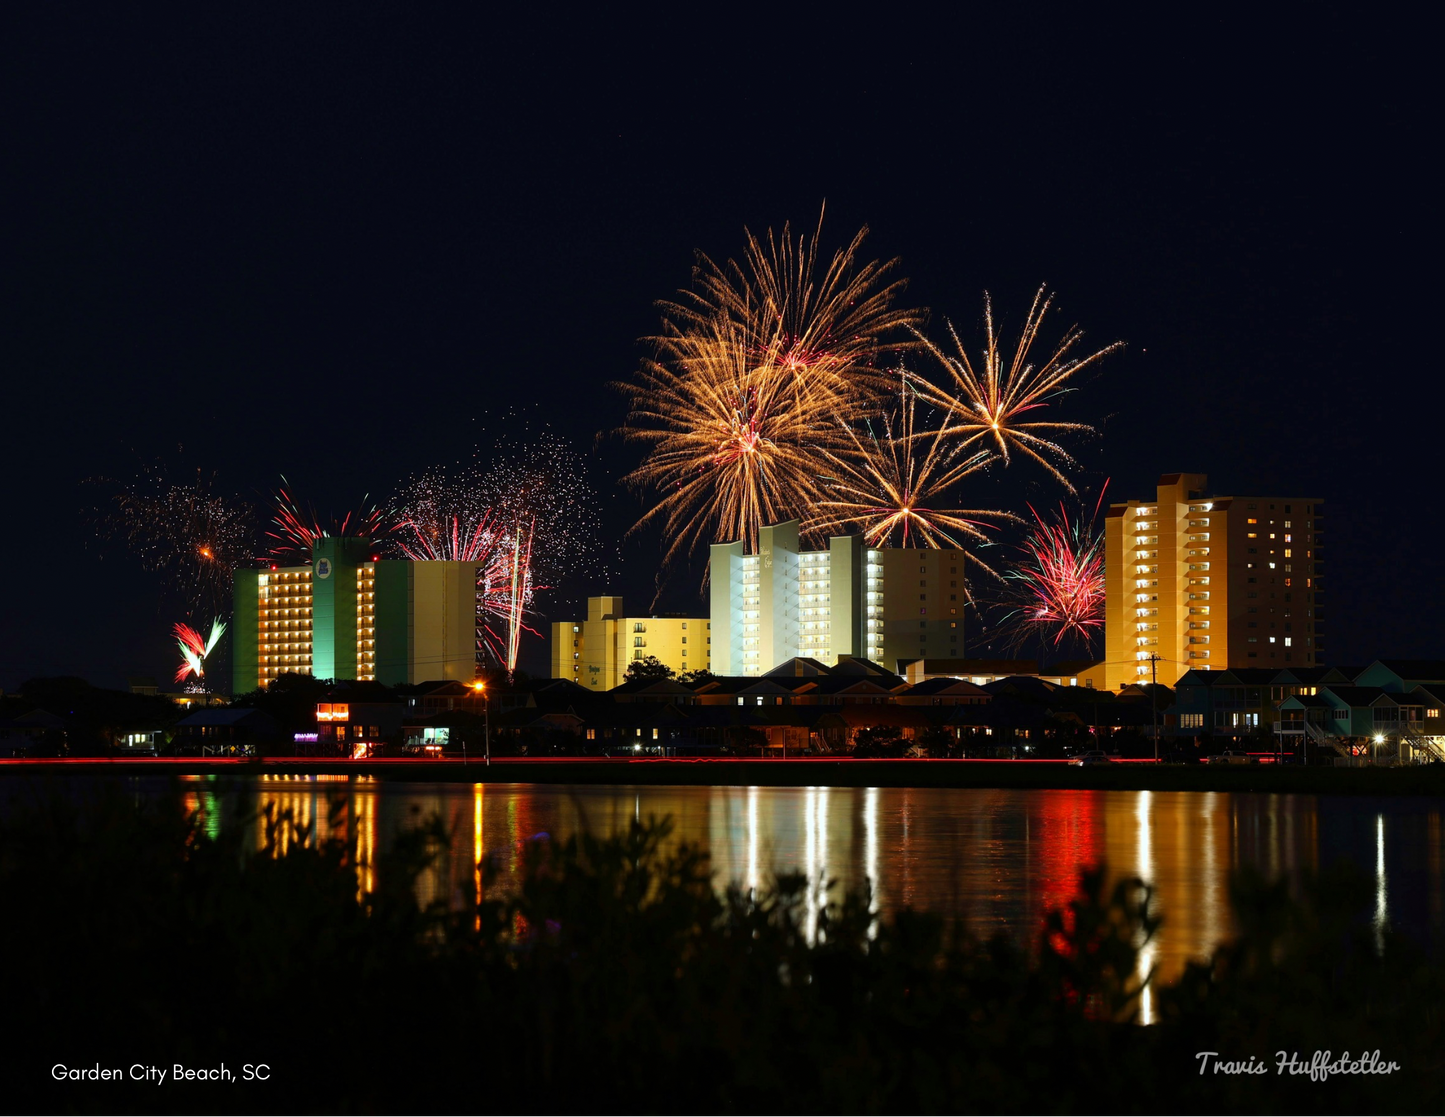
(612, 974)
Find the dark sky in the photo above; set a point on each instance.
(409, 228)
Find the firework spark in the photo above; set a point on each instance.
(997, 405)
(1058, 586)
(195, 650)
(892, 485)
(294, 531)
(184, 530)
(524, 520)
(754, 367)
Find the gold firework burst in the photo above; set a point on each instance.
(893, 484)
(733, 445)
(752, 368)
(998, 404)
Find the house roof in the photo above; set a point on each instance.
(234, 715)
(945, 684)
(1425, 670)
(663, 688)
(799, 665)
(964, 667)
(857, 665)
(1354, 695)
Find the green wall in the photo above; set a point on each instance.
(333, 606)
(245, 650)
(393, 613)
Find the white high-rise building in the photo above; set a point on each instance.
(847, 600)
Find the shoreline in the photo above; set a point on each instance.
(799, 772)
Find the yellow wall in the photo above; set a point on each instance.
(444, 621)
(596, 653)
(923, 599)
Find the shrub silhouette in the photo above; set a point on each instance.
(613, 975)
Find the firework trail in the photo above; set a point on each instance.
(186, 531)
(998, 404)
(1058, 586)
(293, 531)
(195, 650)
(521, 588)
(892, 485)
(753, 370)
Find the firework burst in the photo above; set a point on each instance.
(294, 530)
(754, 367)
(999, 404)
(734, 445)
(524, 521)
(891, 482)
(186, 531)
(195, 650)
(1058, 586)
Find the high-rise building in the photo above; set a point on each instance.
(349, 615)
(1210, 582)
(597, 652)
(886, 604)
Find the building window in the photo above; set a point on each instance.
(684, 639)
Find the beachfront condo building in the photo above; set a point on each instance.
(596, 652)
(349, 614)
(1198, 581)
(886, 604)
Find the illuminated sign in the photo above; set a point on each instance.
(333, 711)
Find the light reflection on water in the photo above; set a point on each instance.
(995, 858)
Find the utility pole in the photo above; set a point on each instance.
(1154, 699)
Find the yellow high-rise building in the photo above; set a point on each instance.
(597, 652)
(1195, 581)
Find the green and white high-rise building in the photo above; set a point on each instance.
(351, 615)
(886, 604)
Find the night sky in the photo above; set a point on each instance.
(419, 234)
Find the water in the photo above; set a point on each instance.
(997, 859)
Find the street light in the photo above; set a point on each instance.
(481, 688)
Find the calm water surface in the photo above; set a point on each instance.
(994, 858)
